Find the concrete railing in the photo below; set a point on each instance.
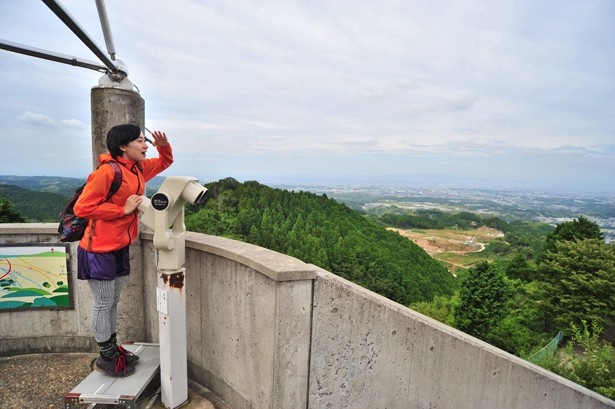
(268, 331)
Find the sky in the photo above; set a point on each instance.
(493, 92)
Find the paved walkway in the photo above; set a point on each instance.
(41, 381)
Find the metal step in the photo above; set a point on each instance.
(98, 387)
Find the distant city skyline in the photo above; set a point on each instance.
(496, 93)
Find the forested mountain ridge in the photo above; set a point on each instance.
(321, 231)
(51, 184)
(42, 198)
(62, 185)
(35, 206)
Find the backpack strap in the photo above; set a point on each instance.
(117, 179)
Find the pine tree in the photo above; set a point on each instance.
(482, 300)
(8, 214)
(578, 283)
(581, 228)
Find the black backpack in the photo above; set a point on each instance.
(72, 227)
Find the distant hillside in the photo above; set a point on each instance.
(35, 206)
(319, 230)
(42, 198)
(62, 185)
(51, 184)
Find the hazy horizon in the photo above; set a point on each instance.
(407, 182)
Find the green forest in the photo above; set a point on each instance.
(320, 231)
(535, 284)
(33, 204)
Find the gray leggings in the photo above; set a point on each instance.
(105, 296)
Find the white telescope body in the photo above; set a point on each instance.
(164, 214)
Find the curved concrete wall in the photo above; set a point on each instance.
(369, 352)
(268, 331)
(248, 321)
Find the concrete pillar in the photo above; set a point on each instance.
(113, 106)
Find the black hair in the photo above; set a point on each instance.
(121, 135)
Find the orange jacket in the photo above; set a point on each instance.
(108, 228)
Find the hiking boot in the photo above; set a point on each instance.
(115, 367)
(131, 358)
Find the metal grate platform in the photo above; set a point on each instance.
(100, 388)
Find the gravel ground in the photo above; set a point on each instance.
(41, 381)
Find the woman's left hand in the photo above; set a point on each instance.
(160, 138)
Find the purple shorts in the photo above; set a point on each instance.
(102, 266)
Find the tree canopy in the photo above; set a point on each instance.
(8, 214)
(482, 300)
(35, 205)
(581, 228)
(578, 283)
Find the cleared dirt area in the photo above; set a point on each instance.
(450, 245)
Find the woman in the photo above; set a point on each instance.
(103, 257)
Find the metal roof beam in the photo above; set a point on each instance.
(52, 56)
(70, 22)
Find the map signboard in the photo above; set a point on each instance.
(34, 277)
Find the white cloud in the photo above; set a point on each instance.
(35, 119)
(32, 118)
(73, 123)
